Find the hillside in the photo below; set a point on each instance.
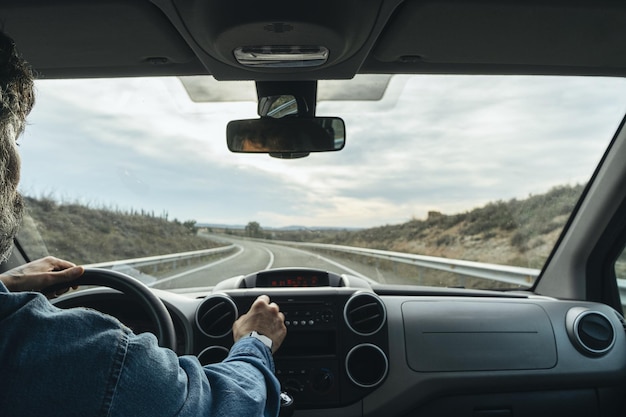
(86, 235)
(515, 232)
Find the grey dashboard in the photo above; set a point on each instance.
(356, 350)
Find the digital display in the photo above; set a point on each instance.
(292, 280)
(297, 281)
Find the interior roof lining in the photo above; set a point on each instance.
(135, 49)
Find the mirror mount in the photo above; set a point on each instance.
(303, 92)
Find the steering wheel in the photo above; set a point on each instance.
(135, 289)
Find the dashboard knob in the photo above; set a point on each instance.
(293, 386)
(322, 381)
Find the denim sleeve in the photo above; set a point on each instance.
(154, 381)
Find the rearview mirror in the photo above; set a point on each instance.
(286, 137)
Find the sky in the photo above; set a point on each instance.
(432, 143)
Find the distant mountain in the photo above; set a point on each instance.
(221, 226)
(270, 228)
(313, 228)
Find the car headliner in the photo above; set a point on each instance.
(103, 38)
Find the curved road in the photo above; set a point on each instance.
(252, 256)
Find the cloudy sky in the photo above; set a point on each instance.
(439, 143)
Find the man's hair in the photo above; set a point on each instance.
(16, 100)
(16, 90)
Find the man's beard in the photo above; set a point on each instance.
(11, 214)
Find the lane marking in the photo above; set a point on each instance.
(191, 271)
(271, 254)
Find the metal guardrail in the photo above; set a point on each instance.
(503, 273)
(159, 260)
(495, 272)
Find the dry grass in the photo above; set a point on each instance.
(516, 232)
(89, 235)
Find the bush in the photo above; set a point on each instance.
(445, 240)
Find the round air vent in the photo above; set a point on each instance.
(365, 313)
(366, 365)
(212, 354)
(215, 315)
(590, 331)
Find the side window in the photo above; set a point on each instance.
(620, 273)
(30, 239)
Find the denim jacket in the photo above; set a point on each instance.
(83, 363)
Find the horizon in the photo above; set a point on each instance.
(242, 225)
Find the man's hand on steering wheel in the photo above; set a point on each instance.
(140, 294)
(40, 274)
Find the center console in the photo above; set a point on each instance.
(336, 348)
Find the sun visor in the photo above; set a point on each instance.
(206, 89)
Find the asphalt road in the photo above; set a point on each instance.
(250, 256)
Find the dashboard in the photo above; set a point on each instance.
(356, 350)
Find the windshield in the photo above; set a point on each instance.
(444, 180)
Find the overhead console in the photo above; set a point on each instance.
(279, 40)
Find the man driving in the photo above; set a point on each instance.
(80, 362)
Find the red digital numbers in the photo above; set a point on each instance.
(299, 281)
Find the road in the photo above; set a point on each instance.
(251, 256)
